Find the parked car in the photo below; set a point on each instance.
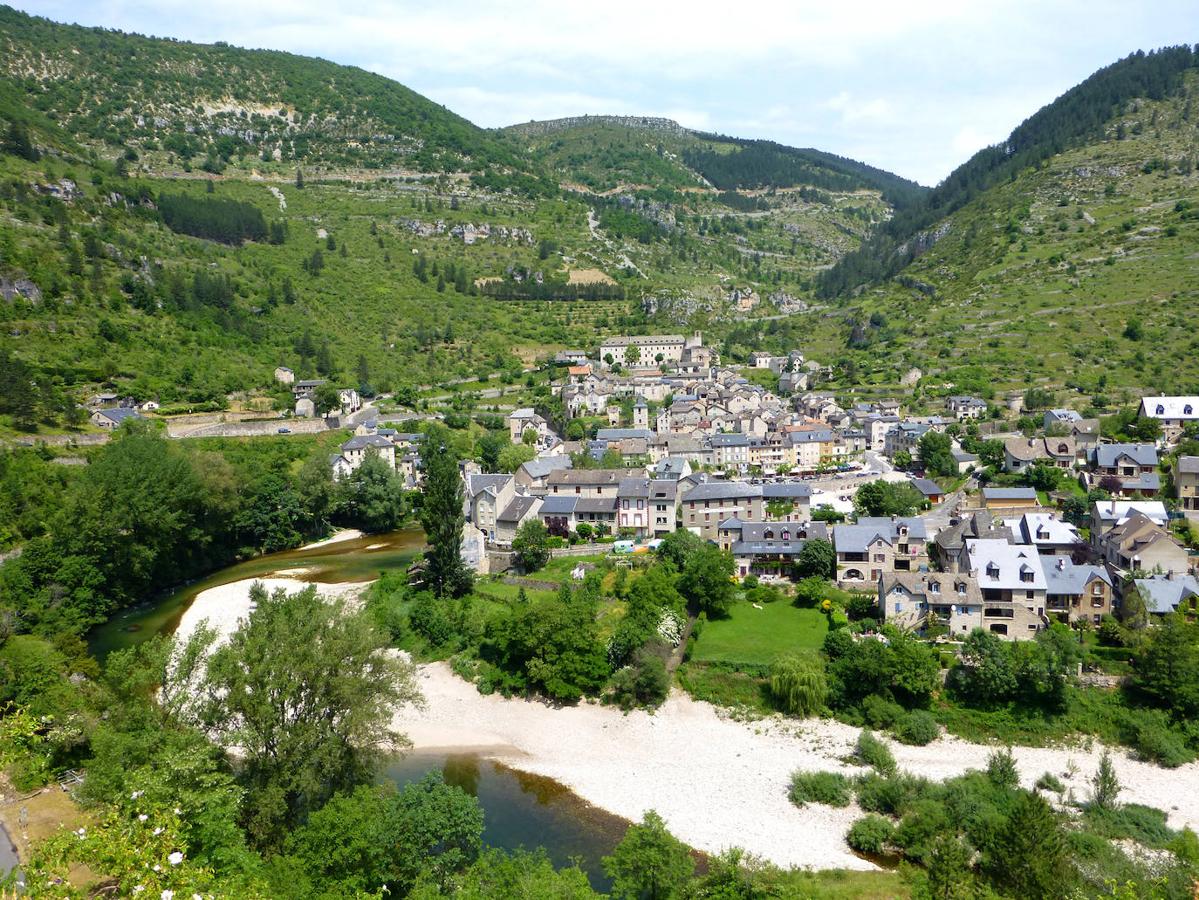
(284, 430)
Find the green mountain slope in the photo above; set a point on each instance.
(177, 102)
(1078, 117)
(1080, 271)
(603, 153)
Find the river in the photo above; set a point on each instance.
(360, 559)
(519, 810)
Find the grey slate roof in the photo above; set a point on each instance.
(119, 414)
(1163, 594)
(1146, 481)
(541, 467)
(1064, 577)
(729, 440)
(362, 441)
(518, 508)
(620, 434)
(1009, 493)
(1188, 464)
(789, 489)
(723, 490)
(559, 504)
(915, 524)
(477, 483)
(595, 505)
(1106, 455)
(927, 487)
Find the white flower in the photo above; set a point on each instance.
(142, 817)
(157, 867)
(135, 795)
(167, 895)
(82, 832)
(138, 888)
(175, 858)
(177, 811)
(158, 831)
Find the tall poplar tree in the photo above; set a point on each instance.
(442, 517)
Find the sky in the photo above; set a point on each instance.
(913, 87)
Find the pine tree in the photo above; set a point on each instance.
(300, 179)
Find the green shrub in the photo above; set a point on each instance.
(1143, 824)
(828, 788)
(1050, 782)
(921, 825)
(917, 727)
(1162, 746)
(428, 619)
(1001, 769)
(874, 753)
(870, 834)
(881, 712)
(891, 795)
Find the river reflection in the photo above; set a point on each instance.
(522, 810)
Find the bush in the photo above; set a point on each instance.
(890, 795)
(828, 788)
(874, 753)
(870, 834)
(1050, 782)
(917, 727)
(642, 683)
(1001, 769)
(881, 712)
(428, 619)
(1158, 744)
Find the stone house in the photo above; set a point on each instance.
(705, 506)
(487, 496)
(767, 549)
(647, 506)
(1140, 544)
(873, 547)
(1013, 585)
(1134, 464)
(1077, 593)
(1173, 413)
(1186, 482)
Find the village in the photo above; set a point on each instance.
(686, 442)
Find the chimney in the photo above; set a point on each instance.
(1061, 563)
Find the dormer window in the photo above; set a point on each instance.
(934, 587)
(769, 534)
(1161, 410)
(1187, 410)
(961, 588)
(786, 535)
(993, 571)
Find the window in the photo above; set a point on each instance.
(1187, 410)
(899, 607)
(1029, 594)
(961, 588)
(1097, 589)
(1161, 410)
(934, 587)
(768, 534)
(786, 536)
(993, 571)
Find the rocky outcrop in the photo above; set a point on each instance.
(11, 288)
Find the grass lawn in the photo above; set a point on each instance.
(755, 637)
